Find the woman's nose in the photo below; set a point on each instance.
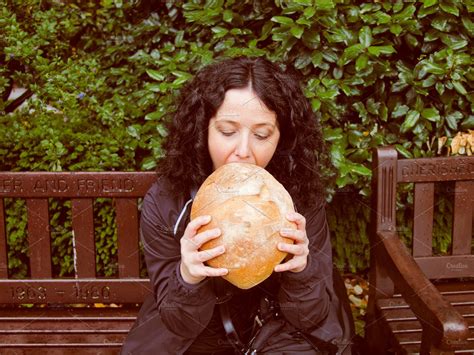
(243, 150)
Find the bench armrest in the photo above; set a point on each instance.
(440, 321)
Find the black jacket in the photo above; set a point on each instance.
(177, 313)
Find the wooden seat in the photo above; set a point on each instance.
(101, 330)
(56, 325)
(420, 302)
(406, 327)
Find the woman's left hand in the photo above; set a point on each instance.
(299, 249)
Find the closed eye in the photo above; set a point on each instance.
(261, 136)
(227, 133)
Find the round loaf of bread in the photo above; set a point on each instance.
(249, 206)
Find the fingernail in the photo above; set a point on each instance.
(285, 231)
(216, 232)
(207, 218)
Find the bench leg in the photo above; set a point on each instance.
(380, 286)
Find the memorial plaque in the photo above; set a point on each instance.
(435, 169)
(74, 291)
(71, 184)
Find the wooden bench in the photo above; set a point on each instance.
(57, 326)
(420, 302)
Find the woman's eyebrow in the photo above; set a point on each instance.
(223, 119)
(261, 124)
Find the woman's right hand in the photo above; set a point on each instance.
(192, 267)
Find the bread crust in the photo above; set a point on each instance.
(249, 206)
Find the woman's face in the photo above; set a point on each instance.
(243, 130)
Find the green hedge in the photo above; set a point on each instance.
(104, 74)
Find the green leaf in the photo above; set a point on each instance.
(459, 87)
(468, 24)
(332, 134)
(154, 87)
(365, 36)
(468, 123)
(429, 81)
(431, 114)
(297, 31)
(282, 20)
(309, 12)
(378, 50)
(396, 29)
(328, 94)
(156, 115)
(452, 120)
(406, 14)
(324, 4)
(449, 8)
(428, 3)
(219, 31)
(360, 170)
(382, 18)
(337, 154)
(149, 163)
(134, 131)
(302, 61)
(350, 53)
(155, 74)
(227, 16)
(410, 120)
(454, 42)
(315, 104)
(439, 88)
(359, 106)
(337, 73)
(403, 151)
(400, 110)
(361, 62)
(433, 68)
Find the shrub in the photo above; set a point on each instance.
(103, 76)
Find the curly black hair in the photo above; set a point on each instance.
(295, 164)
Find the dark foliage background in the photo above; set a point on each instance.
(101, 76)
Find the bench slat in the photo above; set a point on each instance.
(62, 350)
(462, 224)
(442, 267)
(48, 339)
(3, 243)
(435, 169)
(74, 291)
(98, 330)
(83, 232)
(39, 243)
(75, 184)
(127, 234)
(423, 213)
(406, 328)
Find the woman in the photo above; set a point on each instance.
(237, 110)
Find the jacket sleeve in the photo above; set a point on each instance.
(305, 297)
(185, 309)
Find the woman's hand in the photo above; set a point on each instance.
(192, 266)
(299, 249)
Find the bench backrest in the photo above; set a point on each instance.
(424, 173)
(125, 188)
